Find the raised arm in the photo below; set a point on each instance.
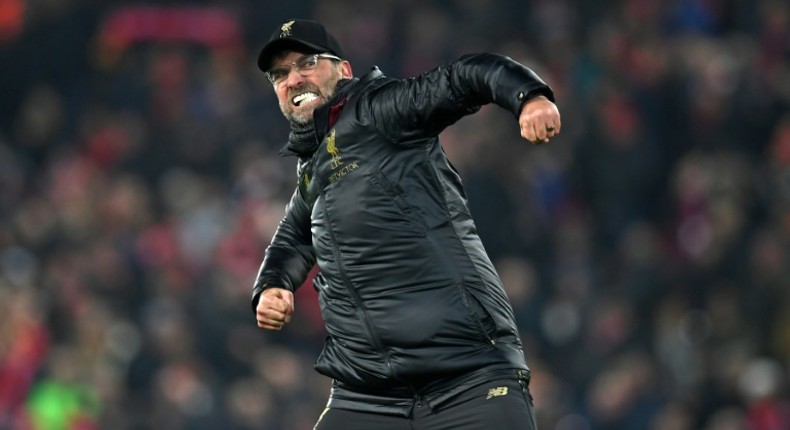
(425, 105)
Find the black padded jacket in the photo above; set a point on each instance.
(413, 307)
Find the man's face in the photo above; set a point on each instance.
(299, 94)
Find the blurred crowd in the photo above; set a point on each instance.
(645, 250)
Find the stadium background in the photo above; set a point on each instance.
(645, 250)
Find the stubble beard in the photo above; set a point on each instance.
(325, 93)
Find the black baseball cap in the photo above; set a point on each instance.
(298, 35)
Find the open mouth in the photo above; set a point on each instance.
(304, 98)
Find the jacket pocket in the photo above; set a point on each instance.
(397, 195)
(481, 317)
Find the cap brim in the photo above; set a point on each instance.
(289, 44)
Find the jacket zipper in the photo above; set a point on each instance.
(358, 303)
(357, 299)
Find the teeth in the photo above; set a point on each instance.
(304, 98)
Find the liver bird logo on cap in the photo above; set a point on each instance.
(285, 30)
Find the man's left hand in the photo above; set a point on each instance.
(539, 120)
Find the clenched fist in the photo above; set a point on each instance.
(275, 306)
(539, 120)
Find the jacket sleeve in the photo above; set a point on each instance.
(290, 255)
(426, 104)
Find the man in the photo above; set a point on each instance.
(421, 333)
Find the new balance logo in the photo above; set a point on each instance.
(496, 392)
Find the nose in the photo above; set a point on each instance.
(294, 78)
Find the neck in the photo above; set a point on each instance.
(303, 139)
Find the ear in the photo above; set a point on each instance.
(345, 69)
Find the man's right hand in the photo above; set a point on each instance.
(275, 306)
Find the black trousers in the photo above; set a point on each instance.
(500, 404)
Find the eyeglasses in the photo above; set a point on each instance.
(303, 65)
